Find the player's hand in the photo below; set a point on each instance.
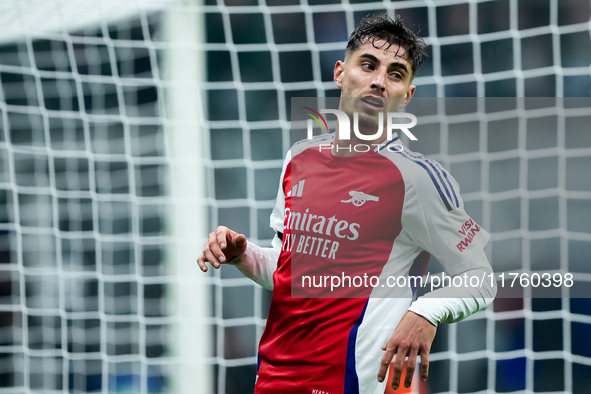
(414, 335)
(222, 246)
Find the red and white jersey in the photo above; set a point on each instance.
(378, 214)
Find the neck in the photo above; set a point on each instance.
(354, 145)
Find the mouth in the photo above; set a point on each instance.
(375, 103)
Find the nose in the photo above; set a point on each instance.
(378, 81)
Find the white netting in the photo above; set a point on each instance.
(100, 105)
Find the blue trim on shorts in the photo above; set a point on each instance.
(351, 378)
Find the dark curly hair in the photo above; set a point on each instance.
(393, 31)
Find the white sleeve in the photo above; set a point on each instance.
(434, 218)
(452, 304)
(278, 213)
(436, 221)
(258, 263)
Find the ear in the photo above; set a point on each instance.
(338, 72)
(409, 94)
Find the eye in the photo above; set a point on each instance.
(396, 75)
(367, 66)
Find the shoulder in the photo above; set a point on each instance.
(427, 176)
(322, 139)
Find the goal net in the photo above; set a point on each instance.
(131, 129)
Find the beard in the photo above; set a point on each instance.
(369, 122)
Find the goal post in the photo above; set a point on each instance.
(182, 77)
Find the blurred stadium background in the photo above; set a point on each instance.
(130, 129)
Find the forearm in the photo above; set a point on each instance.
(258, 264)
(451, 304)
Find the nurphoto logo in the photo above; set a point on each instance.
(344, 124)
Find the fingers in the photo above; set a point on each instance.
(424, 366)
(222, 246)
(411, 365)
(239, 240)
(209, 256)
(385, 362)
(213, 249)
(220, 234)
(396, 355)
(398, 366)
(413, 336)
(201, 262)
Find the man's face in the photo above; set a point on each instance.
(381, 79)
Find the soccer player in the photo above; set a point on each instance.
(348, 213)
